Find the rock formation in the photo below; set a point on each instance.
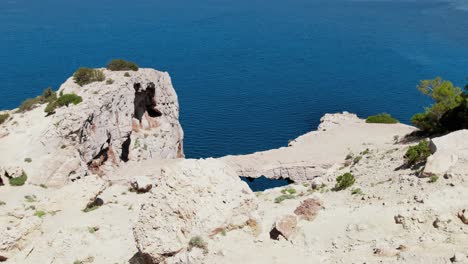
(195, 198)
(132, 118)
(313, 154)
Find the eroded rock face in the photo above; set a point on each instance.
(285, 226)
(194, 198)
(134, 118)
(449, 151)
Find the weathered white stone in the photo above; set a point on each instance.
(134, 118)
(194, 198)
(448, 151)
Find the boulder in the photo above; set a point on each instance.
(308, 209)
(194, 198)
(285, 226)
(447, 151)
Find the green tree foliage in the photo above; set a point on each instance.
(446, 98)
(122, 65)
(18, 181)
(418, 153)
(382, 118)
(85, 76)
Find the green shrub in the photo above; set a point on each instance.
(357, 159)
(382, 118)
(127, 74)
(283, 197)
(344, 181)
(109, 81)
(85, 76)
(40, 214)
(433, 178)
(63, 100)
(18, 181)
(28, 105)
(4, 117)
(197, 242)
(93, 229)
(28, 160)
(122, 65)
(418, 153)
(68, 99)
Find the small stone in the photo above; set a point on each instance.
(284, 227)
(418, 199)
(463, 215)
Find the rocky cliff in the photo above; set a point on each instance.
(133, 117)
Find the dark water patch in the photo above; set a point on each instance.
(263, 183)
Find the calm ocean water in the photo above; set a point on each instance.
(250, 74)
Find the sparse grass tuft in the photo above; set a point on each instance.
(40, 213)
(357, 191)
(433, 178)
(4, 117)
(91, 208)
(198, 242)
(109, 81)
(93, 229)
(43, 186)
(30, 198)
(283, 197)
(289, 191)
(127, 74)
(28, 160)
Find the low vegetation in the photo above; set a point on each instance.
(288, 191)
(85, 76)
(344, 181)
(357, 191)
(93, 229)
(127, 74)
(4, 117)
(198, 242)
(28, 160)
(433, 178)
(47, 96)
(418, 153)
(122, 65)
(283, 197)
(109, 81)
(40, 213)
(91, 208)
(30, 198)
(449, 111)
(382, 118)
(63, 100)
(18, 181)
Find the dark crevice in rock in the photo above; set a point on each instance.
(126, 148)
(101, 157)
(275, 234)
(263, 183)
(144, 101)
(88, 123)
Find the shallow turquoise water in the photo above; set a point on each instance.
(250, 74)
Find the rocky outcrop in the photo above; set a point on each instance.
(315, 153)
(309, 209)
(195, 198)
(449, 151)
(132, 118)
(285, 226)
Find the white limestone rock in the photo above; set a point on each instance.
(134, 118)
(194, 198)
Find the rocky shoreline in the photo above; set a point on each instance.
(107, 182)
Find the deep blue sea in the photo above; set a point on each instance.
(250, 75)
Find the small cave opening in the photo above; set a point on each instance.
(126, 149)
(144, 101)
(263, 183)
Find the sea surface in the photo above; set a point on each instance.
(250, 75)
